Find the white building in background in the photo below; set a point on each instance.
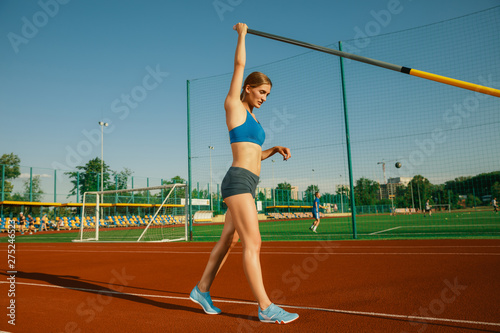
(294, 195)
(344, 189)
(388, 191)
(399, 180)
(267, 191)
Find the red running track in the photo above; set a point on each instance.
(337, 286)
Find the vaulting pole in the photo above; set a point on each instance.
(397, 68)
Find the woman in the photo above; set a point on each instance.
(238, 188)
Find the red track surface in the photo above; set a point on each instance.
(340, 286)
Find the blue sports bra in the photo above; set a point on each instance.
(249, 131)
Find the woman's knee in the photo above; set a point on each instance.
(252, 245)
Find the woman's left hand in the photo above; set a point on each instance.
(285, 152)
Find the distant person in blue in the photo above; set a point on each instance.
(238, 188)
(43, 226)
(315, 212)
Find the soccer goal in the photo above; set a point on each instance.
(149, 214)
(441, 208)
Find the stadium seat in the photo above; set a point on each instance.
(126, 222)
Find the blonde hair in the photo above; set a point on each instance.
(254, 80)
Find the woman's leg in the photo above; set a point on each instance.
(245, 221)
(228, 239)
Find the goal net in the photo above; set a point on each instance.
(149, 214)
(441, 208)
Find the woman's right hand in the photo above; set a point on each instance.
(241, 28)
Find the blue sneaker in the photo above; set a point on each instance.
(275, 314)
(204, 300)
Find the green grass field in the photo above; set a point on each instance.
(440, 225)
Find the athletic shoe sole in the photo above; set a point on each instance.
(276, 315)
(210, 313)
(278, 321)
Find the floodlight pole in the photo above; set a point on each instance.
(341, 195)
(102, 124)
(273, 189)
(3, 183)
(419, 201)
(412, 201)
(313, 189)
(210, 190)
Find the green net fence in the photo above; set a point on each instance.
(58, 193)
(446, 139)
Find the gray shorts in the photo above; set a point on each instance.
(238, 181)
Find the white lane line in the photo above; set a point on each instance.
(381, 231)
(387, 315)
(282, 253)
(322, 244)
(373, 314)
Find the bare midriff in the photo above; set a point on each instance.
(247, 155)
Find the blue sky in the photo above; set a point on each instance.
(67, 65)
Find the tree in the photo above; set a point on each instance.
(366, 192)
(343, 190)
(120, 179)
(11, 162)
(283, 191)
(472, 201)
(35, 188)
(495, 190)
(310, 191)
(422, 190)
(178, 192)
(402, 199)
(176, 180)
(343, 193)
(10, 165)
(328, 197)
(478, 185)
(88, 177)
(201, 194)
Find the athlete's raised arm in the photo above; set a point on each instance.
(233, 101)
